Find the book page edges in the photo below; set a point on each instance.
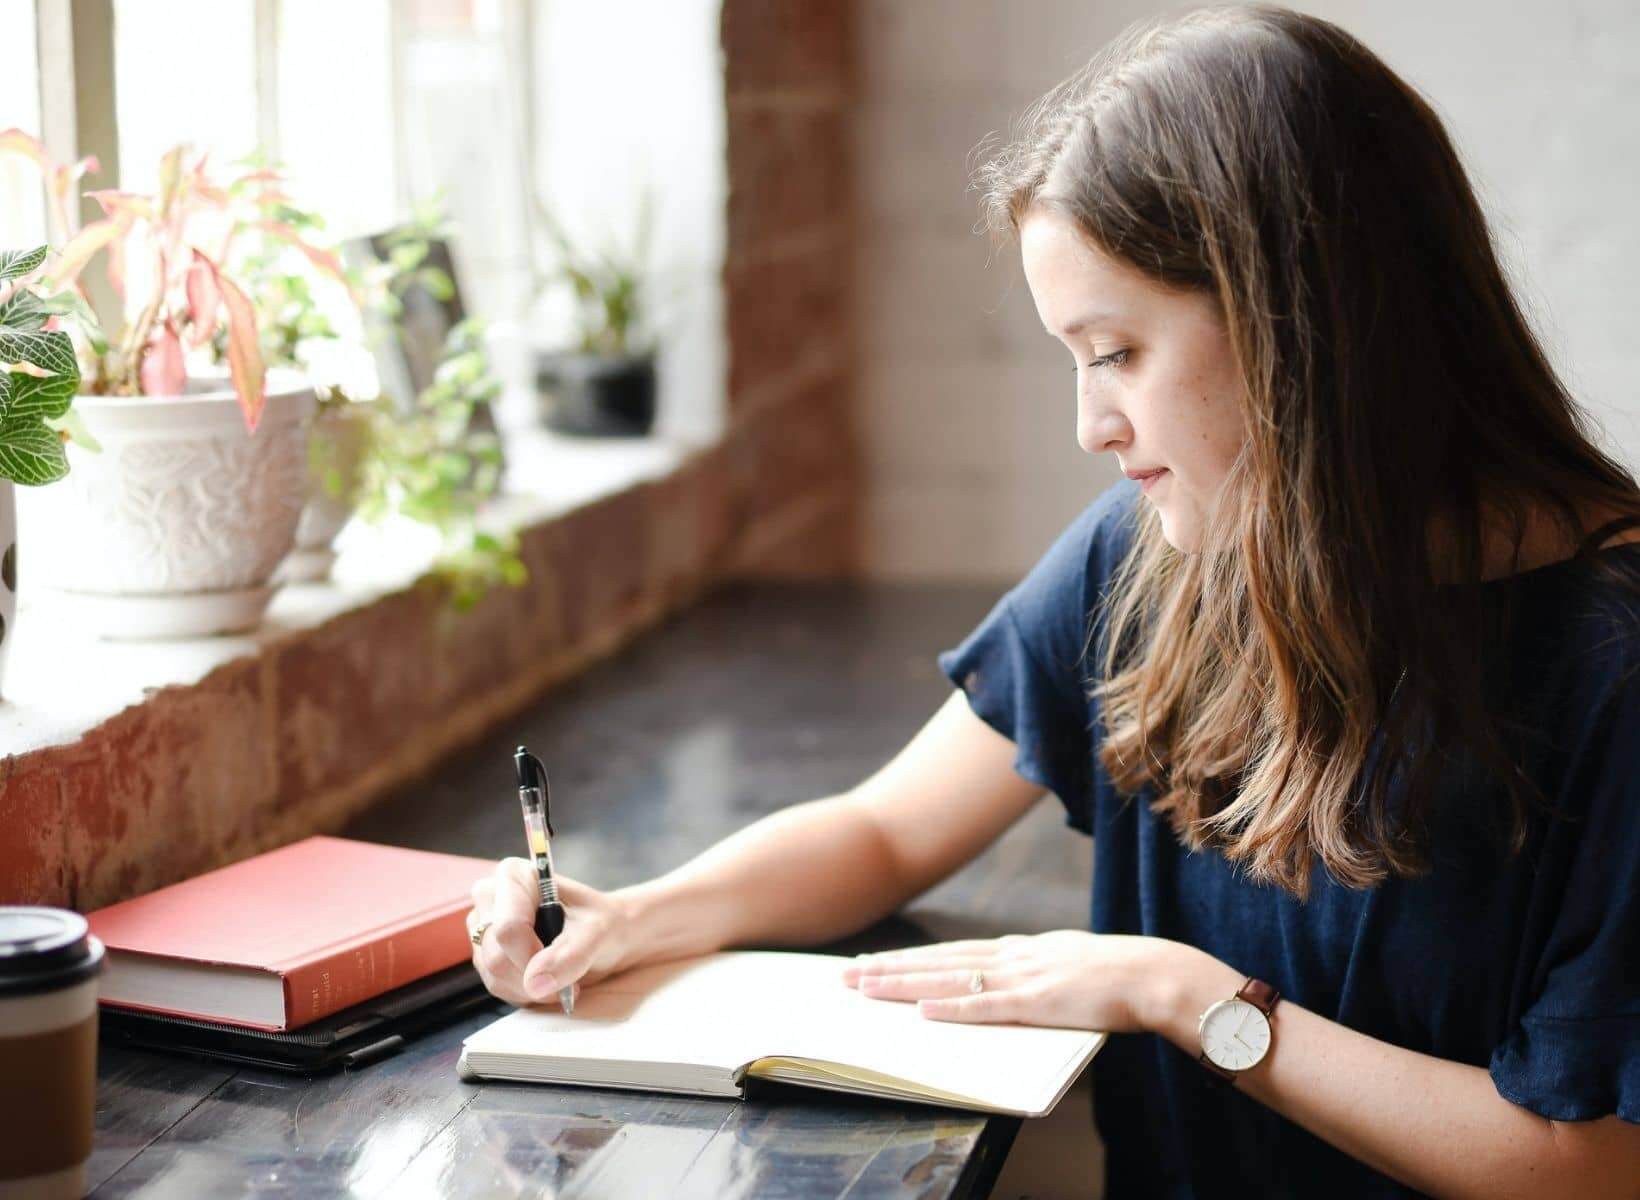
(489, 1065)
(866, 1082)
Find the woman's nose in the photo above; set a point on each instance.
(1098, 431)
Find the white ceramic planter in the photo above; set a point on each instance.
(176, 527)
(8, 573)
(338, 433)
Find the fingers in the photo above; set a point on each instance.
(509, 890)
(506, 900)
(936, 950)
(512, 941)
(497, 971)
(987, 1006)
(972, 952)
(939, 977)
(516, 892)
(567, 959)
(511, 955)
(898, 964)
(920, 985)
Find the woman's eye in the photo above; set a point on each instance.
(1114, 359)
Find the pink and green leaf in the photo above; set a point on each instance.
(84, 245)
(204, 299)
(244, 351)
(164, 371)
(324, 260)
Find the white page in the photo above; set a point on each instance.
(1010, 1066)
(731, 1008)
(689, 1011)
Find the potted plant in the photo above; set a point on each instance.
(176, 528)
(307, 316)
(604, 384)
(431, 457)
(38, 378)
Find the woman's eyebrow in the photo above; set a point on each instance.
(1081, 323)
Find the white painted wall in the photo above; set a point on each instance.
(967, 407)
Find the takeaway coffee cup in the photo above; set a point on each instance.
(49, 962)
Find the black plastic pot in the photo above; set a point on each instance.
(591, 394)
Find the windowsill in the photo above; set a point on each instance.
(61, 682)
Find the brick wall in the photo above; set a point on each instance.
(789, 79)
(301, 735)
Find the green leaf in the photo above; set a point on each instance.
(24, 311)
(30, 453)
(32, 396)
(20, 262)
(438, 283)
(407, 257)
(69, 303)
(73, 424)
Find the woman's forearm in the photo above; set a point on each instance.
(805, 875)
(1436, 1125)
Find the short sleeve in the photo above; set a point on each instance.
(1027, 667)
(1574, 1054)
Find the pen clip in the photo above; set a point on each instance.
(532, 776)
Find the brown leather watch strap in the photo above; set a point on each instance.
(1259, 994)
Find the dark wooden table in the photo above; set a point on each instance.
(760, 697)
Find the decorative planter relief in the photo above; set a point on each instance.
(176, 528)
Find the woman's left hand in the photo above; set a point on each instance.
(1068, 978)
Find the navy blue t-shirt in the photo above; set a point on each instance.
(1528, 967)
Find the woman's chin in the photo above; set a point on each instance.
(1183, 535)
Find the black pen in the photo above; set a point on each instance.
(536, 802)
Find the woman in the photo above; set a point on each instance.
(1342, 682)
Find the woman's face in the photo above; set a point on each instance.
(1154, 379)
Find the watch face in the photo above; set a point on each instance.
(1235, 1034)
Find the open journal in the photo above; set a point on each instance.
(701, 1026)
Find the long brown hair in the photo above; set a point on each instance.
(1399, 410)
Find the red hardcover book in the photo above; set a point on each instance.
(282, 939)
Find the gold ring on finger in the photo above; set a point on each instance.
(477, 935)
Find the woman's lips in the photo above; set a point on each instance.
(1149, 479)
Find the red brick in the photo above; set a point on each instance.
(822, 543)
(686, 531)
(726, 497)
(780, 311)
(347, 693)
(599, 558)
(510, 632)
(800, 446)
(33, 866)
(163, 790)
(788, 172)
(778, 44)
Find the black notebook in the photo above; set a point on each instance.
(353, 1037)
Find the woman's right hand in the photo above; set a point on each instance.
(510, 959)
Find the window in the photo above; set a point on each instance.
(22, 208)
(374, 105)
(165, 93)
(335, 127)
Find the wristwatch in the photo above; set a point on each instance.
(1235, 1033)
